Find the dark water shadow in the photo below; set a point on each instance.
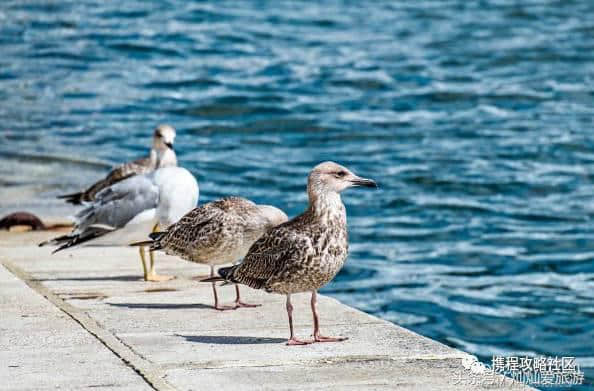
(231, 340)
(162, 306)
(110, 278)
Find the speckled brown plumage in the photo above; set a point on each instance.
(218, 232)
(301, 255)
(215, 233)
(305, 253)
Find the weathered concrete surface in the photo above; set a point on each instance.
(42, 348)
(99, 325)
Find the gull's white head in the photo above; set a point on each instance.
(163, 137)
(332, 177)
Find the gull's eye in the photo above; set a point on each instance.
(340, 174)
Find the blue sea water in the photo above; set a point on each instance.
(476, 118)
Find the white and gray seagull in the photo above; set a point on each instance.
(161, 155)
(129, 210)
(305, 253)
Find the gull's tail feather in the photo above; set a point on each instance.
(224, 275)
(141, 244)
(70, 240)
(55, 241)
(213, 279)
(155, 242)
(157, 235)
(73, 198)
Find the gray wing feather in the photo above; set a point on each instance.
(120, 173)
(116, 205)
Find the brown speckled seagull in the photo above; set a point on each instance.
(161, 155)
(305, 253)
(218, 232)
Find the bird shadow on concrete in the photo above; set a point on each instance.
(231, 340)
(107, 278)
(162, 306)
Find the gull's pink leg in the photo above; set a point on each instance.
(292, 340)
(239, 303)
(216, 297)
(317, 336)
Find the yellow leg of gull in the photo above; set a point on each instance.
(143, 261)
(152, 275)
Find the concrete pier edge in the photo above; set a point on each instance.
(164, 336)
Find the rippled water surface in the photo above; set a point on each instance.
(476, 118)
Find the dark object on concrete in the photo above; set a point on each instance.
(22, 218)
(29, 222)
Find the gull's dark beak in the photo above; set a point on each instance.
(358, 181)
(169, 145)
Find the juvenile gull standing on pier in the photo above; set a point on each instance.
(305, 253)
(129, 210)
(219, 232)
(161, 155)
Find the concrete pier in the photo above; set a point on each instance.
(85, 319)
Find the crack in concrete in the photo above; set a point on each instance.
(151, 374)
(206, 365)
(134, 350)
(338, 360)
